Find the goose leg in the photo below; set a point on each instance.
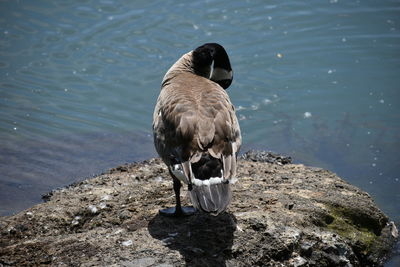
(178, 210)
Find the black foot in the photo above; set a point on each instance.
(172, 212)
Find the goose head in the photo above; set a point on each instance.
(211, 61)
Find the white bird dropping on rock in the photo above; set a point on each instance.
(92, 209)
(105, 197)
(75, 221)
(127, 243)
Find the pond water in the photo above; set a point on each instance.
(316, 80)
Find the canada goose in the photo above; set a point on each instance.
(196, 131)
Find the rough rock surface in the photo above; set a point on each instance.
(281, 215)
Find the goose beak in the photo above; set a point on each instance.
(225, 83)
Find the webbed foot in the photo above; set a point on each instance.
(173, 212)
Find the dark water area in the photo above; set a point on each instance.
(316, 80)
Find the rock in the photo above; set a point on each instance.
(143, 262)
(281, 215)
(266, 156)
(123, 215)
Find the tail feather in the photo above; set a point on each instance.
(227, 166)
(210, 180)
(233, 168)
(211, 191)
(212, 199)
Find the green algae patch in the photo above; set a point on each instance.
(353, 227)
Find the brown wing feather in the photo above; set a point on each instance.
(194, 114)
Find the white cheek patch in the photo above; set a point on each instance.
(219, 74)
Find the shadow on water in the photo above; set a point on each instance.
(203, 240)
